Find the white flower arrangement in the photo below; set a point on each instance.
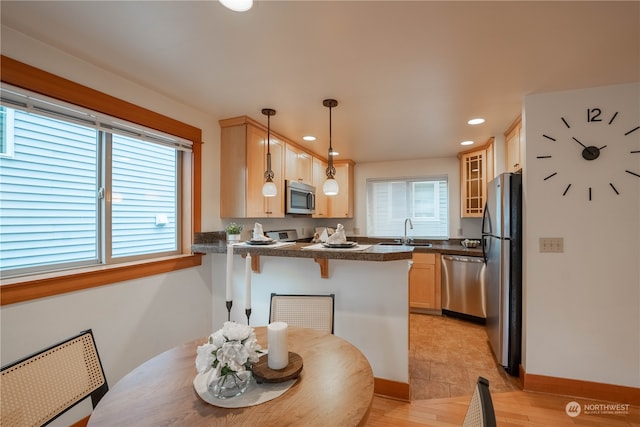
(229, 351)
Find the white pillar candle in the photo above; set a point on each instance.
(278, 356)
(229, 294)
(247, 280)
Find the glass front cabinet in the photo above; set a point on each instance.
(476, 170)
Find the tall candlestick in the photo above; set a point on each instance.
(277, 337)
(229, 294)
(247, 281)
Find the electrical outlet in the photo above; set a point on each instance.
(302, 232)
(552, 244)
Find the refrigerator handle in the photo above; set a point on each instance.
(483, 243)
(485, 219)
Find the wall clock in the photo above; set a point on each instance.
(593, 134)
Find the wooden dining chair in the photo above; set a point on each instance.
(37, 389)
(305, 311)
(480, 412)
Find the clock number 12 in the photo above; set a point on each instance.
(593, 115)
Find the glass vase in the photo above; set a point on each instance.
(230, 385)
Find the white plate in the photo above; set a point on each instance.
(340, 245)
(261, 242)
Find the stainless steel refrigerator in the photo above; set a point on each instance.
(502, 252)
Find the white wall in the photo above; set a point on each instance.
(135, 320)
(370, 302)
(582, 307)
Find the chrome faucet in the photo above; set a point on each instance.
(406, 239)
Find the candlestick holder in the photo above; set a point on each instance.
(229, 305)
(247, 311)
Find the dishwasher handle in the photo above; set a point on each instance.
(463, 259)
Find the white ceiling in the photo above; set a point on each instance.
(407, 75)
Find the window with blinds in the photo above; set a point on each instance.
(78, 189)
(423, 200)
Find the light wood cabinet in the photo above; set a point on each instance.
(298, 165)
(424, 282)
(319, 175)
(513, 146)
(341, 205)
(243, 162)
(476, 170)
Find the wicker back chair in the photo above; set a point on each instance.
(480, 412)
(305, 311)
(37, 389)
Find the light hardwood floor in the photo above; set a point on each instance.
(513, 408)
(446, 357)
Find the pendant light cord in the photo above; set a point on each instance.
(331, 170)
(268, 175)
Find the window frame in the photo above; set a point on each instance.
(7, 129)
(409, 183)
(28, 288)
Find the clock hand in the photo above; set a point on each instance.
(592, 150)
(576, 140)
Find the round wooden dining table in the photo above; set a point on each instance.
(335, 388)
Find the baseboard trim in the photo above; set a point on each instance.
(580, 388)
(81, 423)
(391, 389)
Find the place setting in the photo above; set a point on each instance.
(258, 238)
(337, 240)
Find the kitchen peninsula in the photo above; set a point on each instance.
(371, 295)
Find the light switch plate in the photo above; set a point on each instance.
(552, 244)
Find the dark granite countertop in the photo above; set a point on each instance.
(215, 243)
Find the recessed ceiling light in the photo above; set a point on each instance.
(476, 121)
(335, 153)
(237, 5)
(309, 138)
(466, 143)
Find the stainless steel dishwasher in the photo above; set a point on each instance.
(463, 287)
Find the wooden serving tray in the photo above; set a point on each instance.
(264, 374)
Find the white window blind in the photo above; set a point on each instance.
(423, 200)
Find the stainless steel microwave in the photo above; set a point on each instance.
(300, 198)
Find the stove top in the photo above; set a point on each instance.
(283, 235)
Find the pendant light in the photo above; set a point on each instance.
(330, 187)
(269, 189)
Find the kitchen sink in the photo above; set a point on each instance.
(424, 245)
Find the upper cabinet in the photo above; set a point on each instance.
(243, 151)
(341, 205)
(243, 162)
(513, 146)
(299, 165)
(319, 175)
(476, 170)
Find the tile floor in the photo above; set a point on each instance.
(447, 355)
